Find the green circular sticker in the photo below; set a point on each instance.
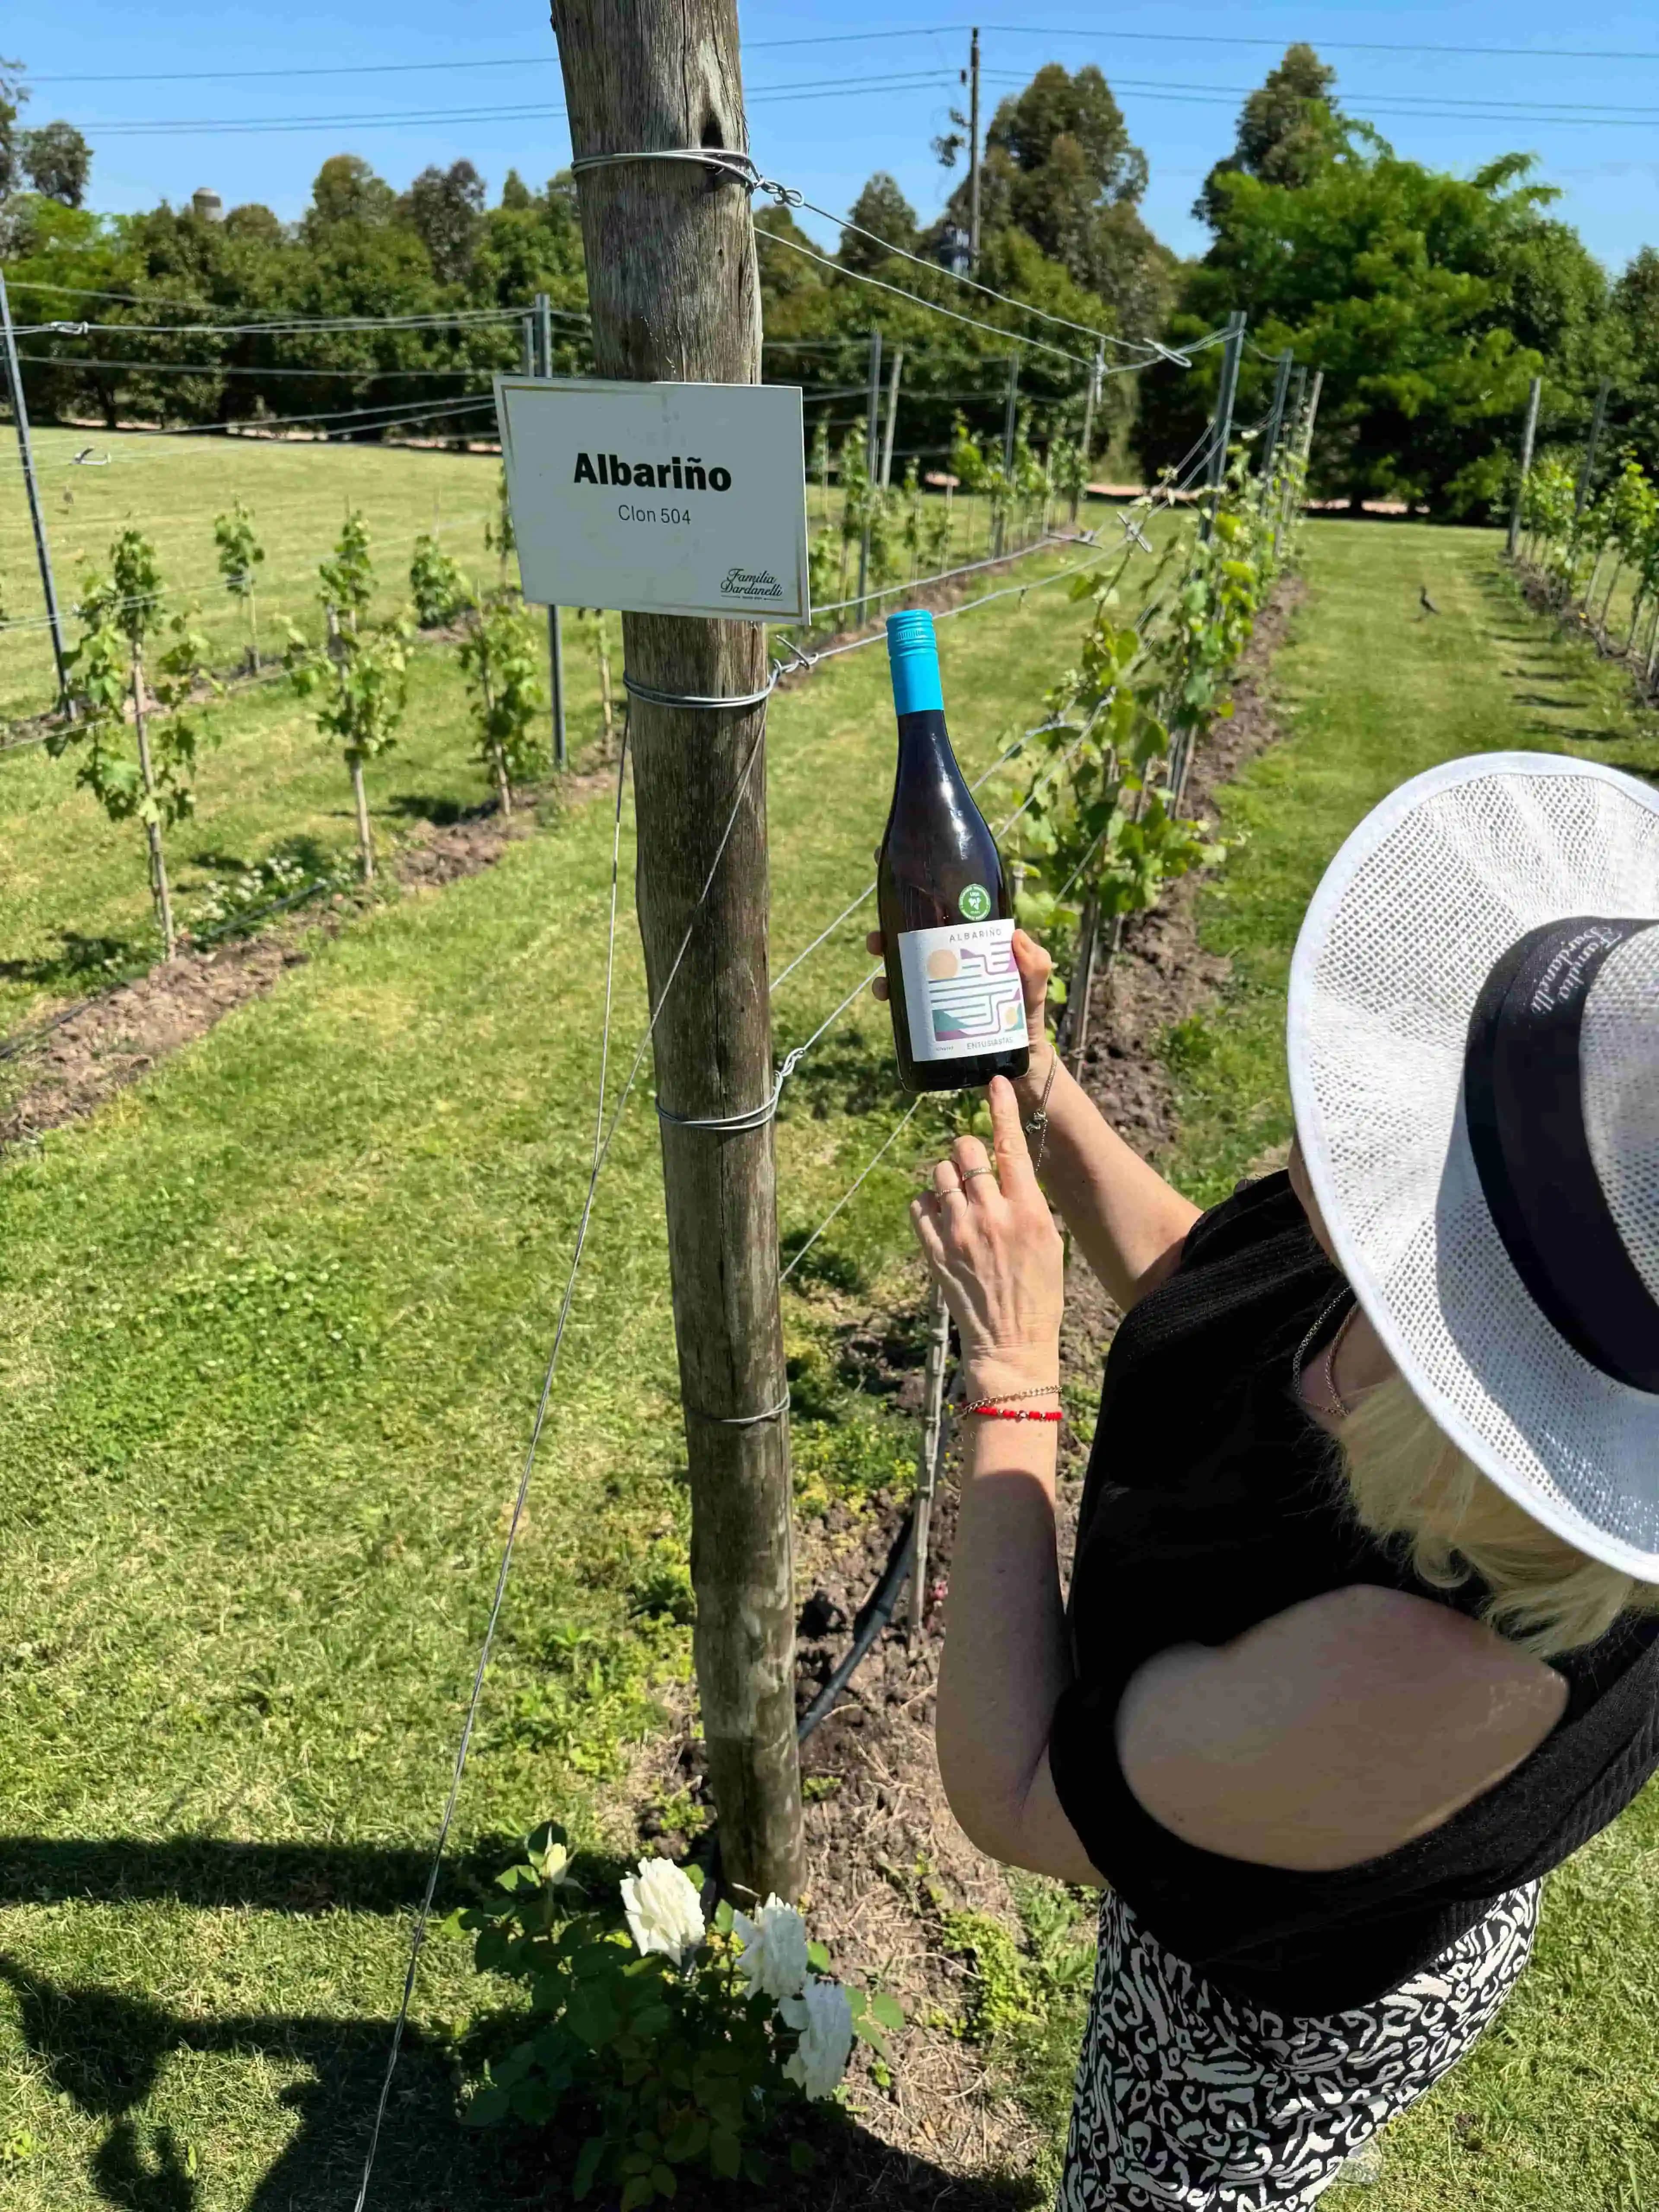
(975, 903)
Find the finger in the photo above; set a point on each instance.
(971, 1158)
(1035, 965)
(923, 1221)
(1008, 1140)
(875, 943)
(879, 986)
(947, 1183)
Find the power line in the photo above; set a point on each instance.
(193, 125)
(358, 370)
(1408, 106)
(844, 38)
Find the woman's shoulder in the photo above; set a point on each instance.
(1333, 1733)
(1259, 1209)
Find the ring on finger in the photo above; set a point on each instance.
(968, 1174)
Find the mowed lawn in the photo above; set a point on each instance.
(1558, 2110)
(272, 1327)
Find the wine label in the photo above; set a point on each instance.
(962, 990)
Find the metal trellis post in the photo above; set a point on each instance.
(1010, 414)
(1276, 418)
(1526, 437)
(871, 464)
(1587, 473)
(928, 1458)
(42, 547)
(555, 634)
(1221, 424)
(1089, 405)
(892, 419)
(973, 155)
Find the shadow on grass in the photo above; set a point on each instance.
(79, 960)
(105, 2051)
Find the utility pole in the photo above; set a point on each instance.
(892, 419)
(554, 635)
(1221, 424)
(675, 293)
(1587, 473)
(1089, 406)
(1534, 394)
(872, 462)
(973, 154)
(20, 414)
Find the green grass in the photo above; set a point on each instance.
(271, 1324)
(1557, 2110)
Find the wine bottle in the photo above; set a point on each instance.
(958, 1010)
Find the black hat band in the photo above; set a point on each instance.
(1523, 1097)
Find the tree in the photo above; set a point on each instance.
(346, 190)
(501, 656)
(106, 670)
(445, 208)
(880, 207)
(1636, 306)
(515, 193)
(1290, 131)
(14, 93)
(239, 554)
(60, 161)
(347, 578)
(1398, 282)
(363, 678)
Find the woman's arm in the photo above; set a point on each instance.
(991, 1244)
(1129, 1223)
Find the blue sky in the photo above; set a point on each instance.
(827, 105)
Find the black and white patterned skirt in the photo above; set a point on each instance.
(1188, 2102)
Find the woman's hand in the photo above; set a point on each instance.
(993, 1250)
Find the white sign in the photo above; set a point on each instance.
(675, 499)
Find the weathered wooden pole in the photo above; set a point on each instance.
(674, 293)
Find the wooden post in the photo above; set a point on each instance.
(674, 293)
(158, 865)
(1526, 436)
(1587, 471)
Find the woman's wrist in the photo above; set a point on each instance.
(1028, 1088)
(990, 1376)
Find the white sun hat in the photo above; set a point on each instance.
(1474, 1044)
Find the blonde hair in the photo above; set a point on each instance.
(1408, 1482)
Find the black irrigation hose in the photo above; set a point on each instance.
(20, 1039)
(876, 1611)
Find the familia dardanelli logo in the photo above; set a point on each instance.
(751, 584)
(677, 474)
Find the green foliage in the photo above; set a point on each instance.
(240, 550)
(439, 592)
(347, 578)
(501, 654)
(363, 688)
(499, 538)
(671, 2062)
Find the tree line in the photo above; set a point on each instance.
(1428, 300)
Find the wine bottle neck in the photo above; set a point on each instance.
(925, 746)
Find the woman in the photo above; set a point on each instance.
(1361, 1637)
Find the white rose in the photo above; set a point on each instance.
(663, 1911)
(773, 1959)
(824, 2019)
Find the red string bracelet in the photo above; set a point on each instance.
(991, 1412)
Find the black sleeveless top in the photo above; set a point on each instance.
(1212, 1502)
